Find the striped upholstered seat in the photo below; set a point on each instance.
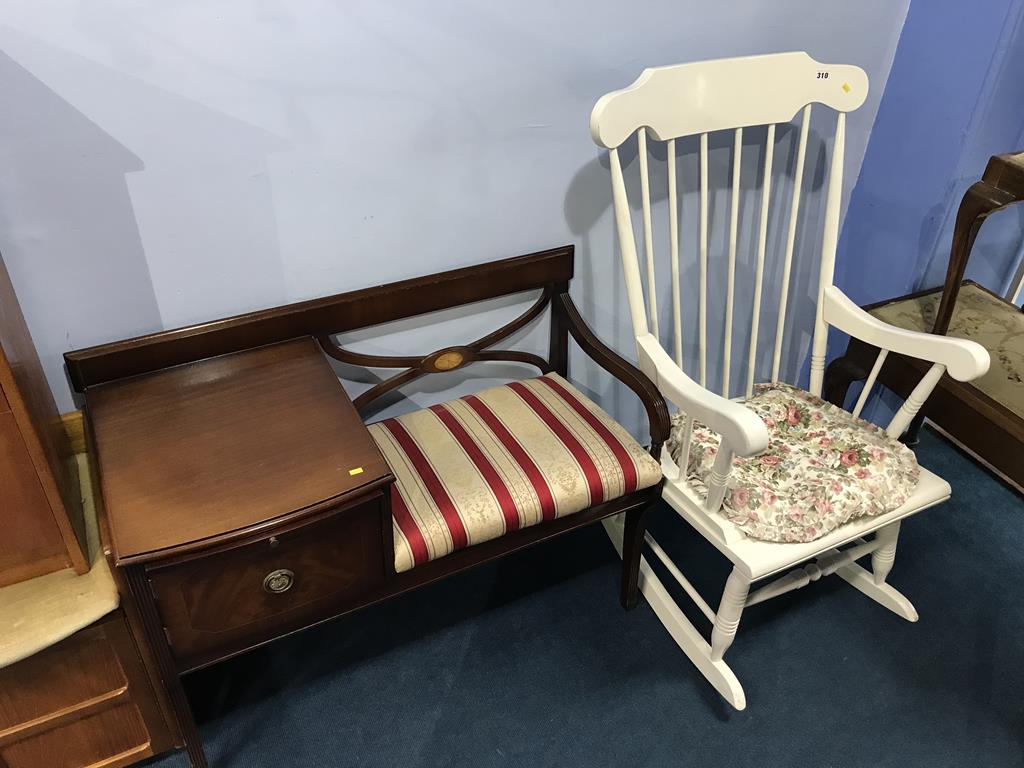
(473, 469)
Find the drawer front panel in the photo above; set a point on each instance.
(81, 669)
(227, 601)
(88, 695)
(112, 737)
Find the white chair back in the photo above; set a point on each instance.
(669, 103)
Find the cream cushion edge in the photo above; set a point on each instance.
(40, 612)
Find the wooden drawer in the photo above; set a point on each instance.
(82, 669)
(4, 405)
(231, 599)
(110, 738)
(83, 702)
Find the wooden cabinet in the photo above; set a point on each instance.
(83, 703)
(33, 544)
(40, 509)
(244, 500)
(233, 598)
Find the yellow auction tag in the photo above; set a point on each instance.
(356, 471)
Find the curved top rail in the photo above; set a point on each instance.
(706, 96)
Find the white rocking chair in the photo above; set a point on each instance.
(666, 104)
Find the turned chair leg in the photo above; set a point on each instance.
(883, 557)
(727, 620)
(632, 547)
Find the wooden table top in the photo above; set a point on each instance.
(226, 444)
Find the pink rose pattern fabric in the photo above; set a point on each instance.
(823, 467)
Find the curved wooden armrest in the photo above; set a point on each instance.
(964, 360)
(621, 369)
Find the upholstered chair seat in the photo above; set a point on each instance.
(473, 469)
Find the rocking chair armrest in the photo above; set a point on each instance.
(621, 369)
(741, 429)
(964, 360)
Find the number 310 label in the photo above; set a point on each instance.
(823, 75)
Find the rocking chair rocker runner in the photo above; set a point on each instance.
(817, 519)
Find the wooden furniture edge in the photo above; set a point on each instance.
(252, 533)
(975, 456)
(111, 630)
(461, 561)
(316, 317)
(1001, 185)
(23, 384)
(548, 270)
(936, 289)
(134, 618)
(658, 418)
(64, 504)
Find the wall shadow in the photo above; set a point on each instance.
(67, 226)
(130, 208)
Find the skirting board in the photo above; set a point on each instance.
(74, 428)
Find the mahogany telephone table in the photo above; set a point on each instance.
(241, 498)
(244, 500)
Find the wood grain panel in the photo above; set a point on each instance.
(28, 394)
(217, 605)
(85, 701)
(31, 543)
(316, 317)
(112, 737)
(224, 444)
(83, 668)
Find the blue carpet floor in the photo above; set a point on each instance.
(531, 662)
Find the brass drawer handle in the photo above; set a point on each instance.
(278, 581)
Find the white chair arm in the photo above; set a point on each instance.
(741, 429)
(964, 360)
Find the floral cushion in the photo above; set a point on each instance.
(823, 467)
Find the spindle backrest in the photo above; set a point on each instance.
(698, 99)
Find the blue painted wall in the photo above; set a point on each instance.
(954, 97)
(165, 164)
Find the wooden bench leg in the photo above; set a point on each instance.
(632, 546)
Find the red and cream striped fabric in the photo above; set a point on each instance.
(472, 469)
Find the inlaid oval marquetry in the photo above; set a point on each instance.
(448, 360)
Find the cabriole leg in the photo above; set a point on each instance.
(727, 620)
